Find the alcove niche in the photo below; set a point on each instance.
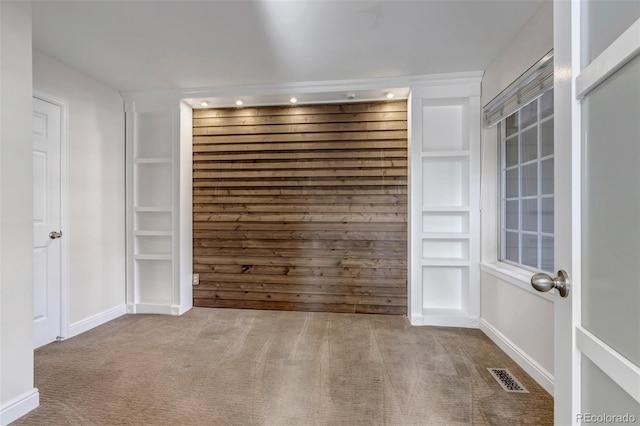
(443, 211)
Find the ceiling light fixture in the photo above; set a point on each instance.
(293, 100)
(204, 103)
(389, 95)
(239, 102)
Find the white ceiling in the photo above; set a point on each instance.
(159, 45)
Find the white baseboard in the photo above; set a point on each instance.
(19, 406)
(158, 309)
(444, 318)
(96, 320)
(528, 364)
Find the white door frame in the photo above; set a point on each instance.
(64, 208)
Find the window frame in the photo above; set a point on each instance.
(502, 199)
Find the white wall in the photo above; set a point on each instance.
(17, 394)
(533, 41)
(96, 175)
(518, 320)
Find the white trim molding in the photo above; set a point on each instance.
(625, 373)
(307, 87)
(19, 406)
(96, 320)
(624, 49)
(528, 364)
(517, 277)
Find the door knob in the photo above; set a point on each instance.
(55, 234)
(543, 282)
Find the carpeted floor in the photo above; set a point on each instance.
(243, 367)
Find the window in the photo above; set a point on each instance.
(526, 185)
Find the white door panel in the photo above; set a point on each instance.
(46, 218)
(597, 337)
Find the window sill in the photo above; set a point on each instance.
(517, 277)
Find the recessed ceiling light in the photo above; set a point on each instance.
(293, 100)
(389, 95)
(204, 103)
(350, 96)
(239, 102)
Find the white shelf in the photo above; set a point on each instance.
(446, 222)
(153, 233)
(152, 209)
(153, 160)
(445, 181)
(432, 154)
(444, 236)
(153, 257)
(445, 208)
(445, 184)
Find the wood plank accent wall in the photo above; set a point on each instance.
(301, 207)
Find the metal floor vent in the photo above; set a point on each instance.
(507, 381)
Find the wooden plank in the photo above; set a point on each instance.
(300, 128)
(304, 261)
(313, 244)
(281, 306)
(349, 200)
(300, 146)
(300, 297)
(344, 191)
(300, 217)
(381, 310)
(336, 163)
(317, 228)
(371, 274)
(300, 235)
(302, 137)
(268, 174)
(400, 105)
(378, 153)
(317, 181)
(297, 306)
(398, 253)
(300, 119)
(303, 285)
(301, 208)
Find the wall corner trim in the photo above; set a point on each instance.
(19, 406)
(528, 364)
(96, 320)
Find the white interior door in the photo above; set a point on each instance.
(46, 221)
(597, 136)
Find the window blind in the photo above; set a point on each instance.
(533, 83)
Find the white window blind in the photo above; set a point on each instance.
(537, 80)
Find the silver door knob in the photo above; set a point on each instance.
(54, 234)
(543, 282)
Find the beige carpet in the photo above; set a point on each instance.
(243, 367)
